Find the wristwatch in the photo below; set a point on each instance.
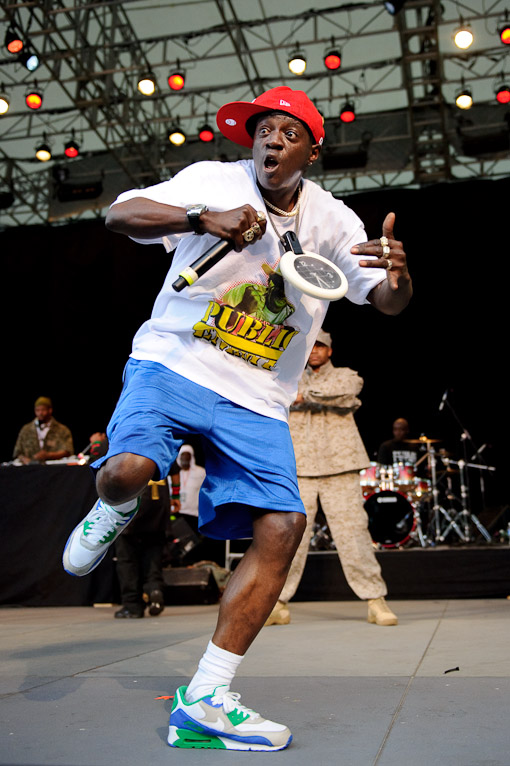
(194, 212)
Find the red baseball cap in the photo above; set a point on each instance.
(232, 118)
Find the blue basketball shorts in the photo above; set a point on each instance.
(249, 458)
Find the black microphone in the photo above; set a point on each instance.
(210, 258)
(443, 400)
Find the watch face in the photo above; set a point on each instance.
(316, 272)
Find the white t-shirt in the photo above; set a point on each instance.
(234, 331)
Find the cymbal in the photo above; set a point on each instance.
(422, 440)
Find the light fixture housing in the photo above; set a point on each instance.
(34, 99)
(348, 112)
(43, 152)
(504, 32)
(297, 62)
(176, 136)
(206, 133)
(394, 6)
(147, 84)
(464, 99)
(333, 59)
(13, 41)
(71, 149)
(503, 94)
(463, 37)
(176, 80)
(30, 60)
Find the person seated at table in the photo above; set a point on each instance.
(44, 438)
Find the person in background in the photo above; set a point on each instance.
(191, 477)
(139, 550)
(397, 450)
(44, 438)
(329, 456)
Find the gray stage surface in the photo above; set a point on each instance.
(78, 687)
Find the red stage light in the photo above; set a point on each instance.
(71, 149)
(347, 113)
(176, 81)
(503, 94)
(333, 60)
(33, 100)
(13, 41)
(206, 134)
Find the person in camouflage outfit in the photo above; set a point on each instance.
(43, 438)
(329, 456)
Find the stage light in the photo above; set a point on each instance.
(147, 84)
(394, 6)
(297, 62)
(464, 99)
(71, 148)
(176, 80)
(34, 99)
(4, 104)
(206, 133)
(333, 59)
(347, 112)
(504, 30)
(176, 136)
(503, 94)
(43, 151)
(13, 41)
(30, 60)
(463, 37)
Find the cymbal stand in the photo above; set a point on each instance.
(437, 509)
(465, 516)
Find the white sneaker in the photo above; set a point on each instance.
(220, 722)
(89, 542)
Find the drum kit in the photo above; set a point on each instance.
(406, 504)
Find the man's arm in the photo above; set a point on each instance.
(143, 218)
(393, 294)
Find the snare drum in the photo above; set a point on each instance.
(391, 518)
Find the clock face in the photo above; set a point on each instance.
(317, 272)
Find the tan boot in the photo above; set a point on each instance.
(379, 612)
(279, 616)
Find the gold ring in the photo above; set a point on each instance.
(248, 235)
(384, 241)
(256, 228)
(390, 265)
(261, 216)
(385, 251)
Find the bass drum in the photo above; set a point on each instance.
(391, 519)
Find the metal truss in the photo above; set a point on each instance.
(401, 72)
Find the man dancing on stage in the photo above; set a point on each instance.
(200, 365)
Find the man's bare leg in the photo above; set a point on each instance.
(256, 583)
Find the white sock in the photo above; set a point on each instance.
(126, 507)
(216, 668)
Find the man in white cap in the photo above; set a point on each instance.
(202, 366)
(329, 456)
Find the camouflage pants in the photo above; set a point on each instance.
(342, 503)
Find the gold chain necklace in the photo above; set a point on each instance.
(280, 237)
(292, 213)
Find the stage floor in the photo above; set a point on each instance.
(78, 688)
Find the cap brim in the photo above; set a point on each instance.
(238, 113)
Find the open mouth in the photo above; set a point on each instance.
(270, 163)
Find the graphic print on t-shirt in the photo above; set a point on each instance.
(247, 321)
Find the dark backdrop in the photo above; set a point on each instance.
(73, 296)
